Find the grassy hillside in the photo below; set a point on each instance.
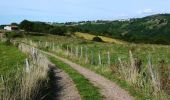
(131, 65)
(105, 39)
(152, 29)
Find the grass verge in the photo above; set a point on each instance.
(85, 88)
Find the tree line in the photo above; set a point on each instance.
(42, 27)
(152, 29)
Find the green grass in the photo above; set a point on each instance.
(85, 88)
(159, 54)
(11, 60)
(105, 39)
(109, 75)
(11, 65)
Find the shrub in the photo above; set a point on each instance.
(57, 31)
(97, 39)
(10, 35)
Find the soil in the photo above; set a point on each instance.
(62, 86)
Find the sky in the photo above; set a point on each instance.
(78, 10)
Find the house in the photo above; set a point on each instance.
(10, 28)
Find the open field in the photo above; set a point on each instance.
(85, 50)
(11, 59)
(105, 39)
(22, 75)
(11, 63)
(141, 67)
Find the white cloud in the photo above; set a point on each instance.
(146, 11)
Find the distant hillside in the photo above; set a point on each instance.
(151, 29)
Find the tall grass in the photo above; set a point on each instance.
(144, 67)
(28, 82)
(146, 78)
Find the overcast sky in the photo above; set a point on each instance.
(78, 10)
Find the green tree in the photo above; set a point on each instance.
(57, 30)
(26, 25)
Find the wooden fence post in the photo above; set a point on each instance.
(27, 65)
(53, 47)
(71, 52)
(108, 58)
(86, 56)
(100, 62)
(2, 79)
(92, 57)
(67, 51)
(77, 51)
(81, 52)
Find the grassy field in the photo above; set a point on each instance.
(11, 63)
(22, 76)
(105, 39)
(85, 88)
(11, 59)
(142, 69)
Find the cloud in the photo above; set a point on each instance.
(146, 11)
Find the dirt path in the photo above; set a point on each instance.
(109, 89)
(62, 86)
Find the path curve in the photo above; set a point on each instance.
(109, 89)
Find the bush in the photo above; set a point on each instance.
(57, 31)
(10, 35)
(97, 39)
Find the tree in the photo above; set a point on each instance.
(57, 30)
(14, 24)
(26, 25)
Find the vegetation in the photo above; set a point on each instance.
(2, 26)
(97, 39)
(88, 36)
(21, 79)
(11, 63)
(57, 31)
(85, 88)
(42, 27)
(140, 69)
(138, 30)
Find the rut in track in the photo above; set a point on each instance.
(109, 89)
(62, 86)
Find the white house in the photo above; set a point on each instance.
(9, 28)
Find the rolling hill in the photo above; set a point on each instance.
(153, 29)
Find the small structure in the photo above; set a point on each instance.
(10, 28)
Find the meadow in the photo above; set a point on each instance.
(142, 69)
(22, 74)
(12, 61)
